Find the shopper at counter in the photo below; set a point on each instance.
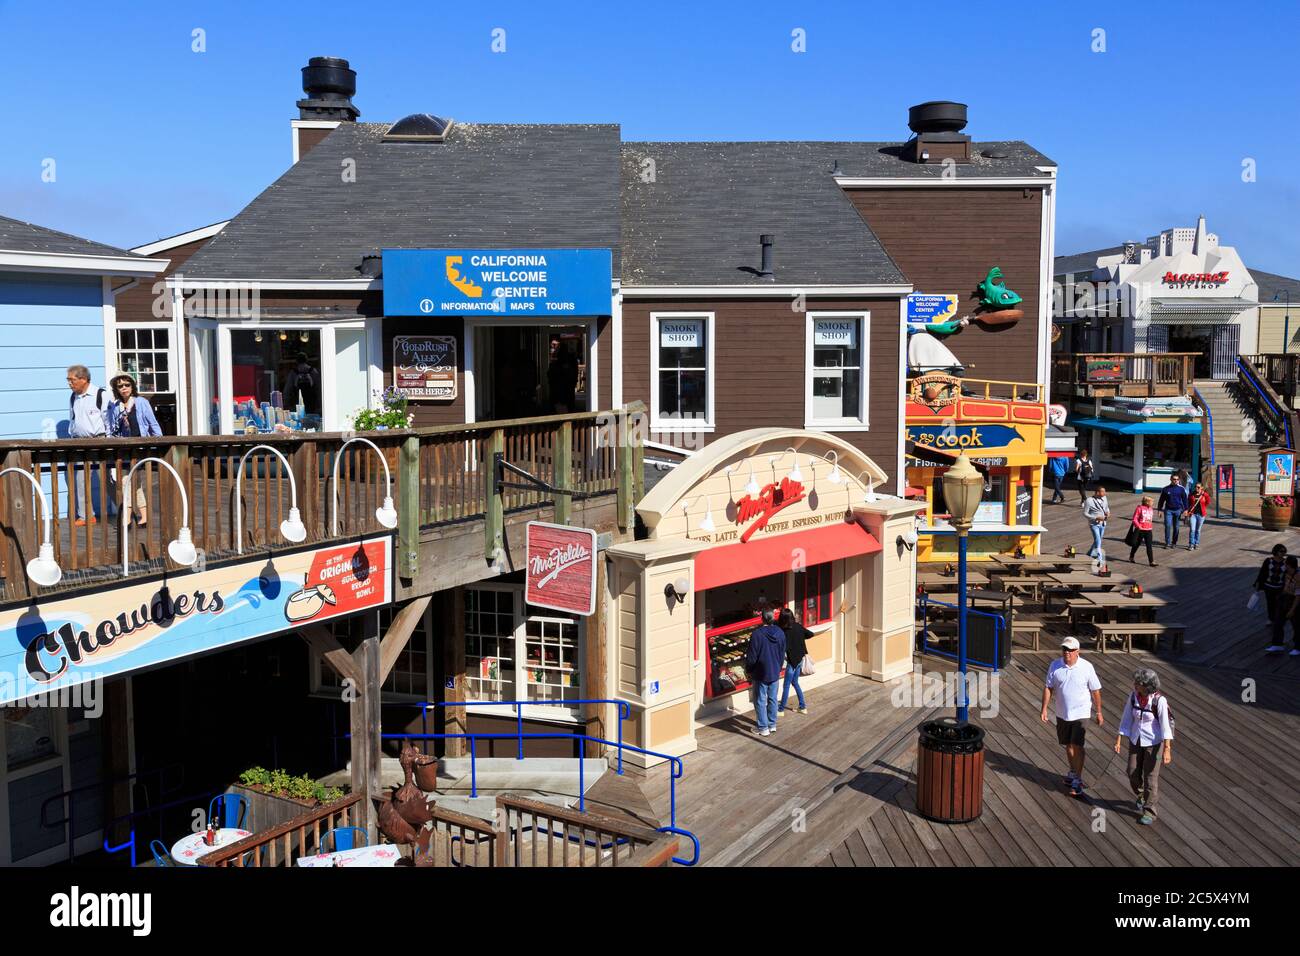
(763, 662)
(796, 649)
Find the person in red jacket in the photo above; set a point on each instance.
(1140, 532)
(1198, 505)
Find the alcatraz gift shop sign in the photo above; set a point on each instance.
(516, 282)
(62, 643)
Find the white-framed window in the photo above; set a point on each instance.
(836, 372)
(144, 352)
(513, 653)
(681, 371)
(412, 676)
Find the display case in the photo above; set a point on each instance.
(725, 649)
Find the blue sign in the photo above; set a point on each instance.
(497, 282)
(926, 309)
(963, 437)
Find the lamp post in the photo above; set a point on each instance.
(963, 486)
(42, 569)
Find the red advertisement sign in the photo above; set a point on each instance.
(561, 572)
(342, 580)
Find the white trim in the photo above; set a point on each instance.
(851, 182)
(1047, 250)
(13, 260)
(295, 125)
(710, 369)
(687, 452)
(375, 354)
(902, 399)
(862, 423)
(329, 413)
(279, 285)
(593, 370)
(471, 394)
(767, 291)
(616, 349)
(180, 334)
(108, 309)
(180, 239)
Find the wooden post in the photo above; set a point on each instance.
(365, 728)
(19, 508)
(594, 666)
(638, 462)
(178, 456)
(453, 651)
(306, 471)
(563, 438)
(408, 509)
(625, 461)
(114, 758)
(494, 512)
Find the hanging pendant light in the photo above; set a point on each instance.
(751, 488)
(835, 477)
(707, 525)
(795, 473)
(284, 336)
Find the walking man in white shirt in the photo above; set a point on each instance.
(1149, 727)
(1077, 689)
(86, 409)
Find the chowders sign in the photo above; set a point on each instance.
(424, 366)
(561, 571)
(515, 282)
(53, 644)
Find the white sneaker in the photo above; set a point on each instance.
(1294, 653)
(765, 732)
(1274, 648)
(772, 729)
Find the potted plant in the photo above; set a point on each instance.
(1275, 511)
(388, 412)
(276, 796)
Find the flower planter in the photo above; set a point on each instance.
(267, 810)
(1275, 517)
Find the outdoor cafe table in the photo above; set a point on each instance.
(187, 850)
(1113, 601)
(937, 580)
(1084, 580)
(379, 855)
(1040, 563)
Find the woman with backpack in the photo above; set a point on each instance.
(796, 650)
(1083, 473)
(1148, 724)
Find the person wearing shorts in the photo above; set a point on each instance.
(1077, 691)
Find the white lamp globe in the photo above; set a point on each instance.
(387, 514)
(182, 549)
(292, 527)
(43, 569)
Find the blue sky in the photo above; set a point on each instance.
(151, 138)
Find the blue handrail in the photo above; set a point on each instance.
(1209, 420)
(1251, 377)
(674, 762)
(624, 713)
(129, 843)
(68, 819)
(999, 626)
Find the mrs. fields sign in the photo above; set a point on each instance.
(561, 572)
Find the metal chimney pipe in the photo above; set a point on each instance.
(765, 269)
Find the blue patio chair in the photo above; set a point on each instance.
(161, 856)
(230, 810)
(344, 838)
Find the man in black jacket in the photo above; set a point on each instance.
(763, 662)
(1270, 580)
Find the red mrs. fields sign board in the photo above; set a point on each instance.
(561, 572)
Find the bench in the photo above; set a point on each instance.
(1126, 632)
(1023, 627)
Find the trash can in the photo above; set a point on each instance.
(950, 770)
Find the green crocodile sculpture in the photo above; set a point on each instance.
(994, 294)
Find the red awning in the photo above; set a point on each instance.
(761, 556)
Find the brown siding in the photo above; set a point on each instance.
(309, 139)
(427, 412)
(946, 240)
(137, 304)
(759, 355)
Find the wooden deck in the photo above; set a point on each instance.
(836, 788)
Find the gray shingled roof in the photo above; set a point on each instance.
(1082, 261)
(487, 185)
(699, 221)
(1271, 284)
(19, 236)
(884, 160)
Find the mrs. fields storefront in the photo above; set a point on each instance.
(762, 518)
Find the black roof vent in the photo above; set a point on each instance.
(995, 154)
(372, 265)
(418, 128)
(937, 116)
(330, 85)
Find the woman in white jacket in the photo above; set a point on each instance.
(1149, 727)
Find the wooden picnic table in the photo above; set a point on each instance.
(1112, 602)
(1041, 563)
(1082, 580)
(934, 580)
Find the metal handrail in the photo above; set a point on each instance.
(1262, 388)
(624, 713)
(1000, 625)
(68, 819)
(130, 841)
(674, 762)
(1209, 420)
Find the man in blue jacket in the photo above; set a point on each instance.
(763, 663)
(1058, 466)
(1173, 502)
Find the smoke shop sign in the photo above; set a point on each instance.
(527, 282)
(964, 437)
(561, 572)
(51, 644)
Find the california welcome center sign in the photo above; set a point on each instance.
(56, 644)
(561, 568)
(541, 282)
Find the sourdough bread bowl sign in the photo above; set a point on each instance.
(53, 644)
(561, 572)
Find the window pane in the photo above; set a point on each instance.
(126, 338)
(836, 394)
(683, 394)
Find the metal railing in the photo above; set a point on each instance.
(203, 796)
(999, 624)
(1208, 432)
(1277, 413)
(675, 763)
(70, 809)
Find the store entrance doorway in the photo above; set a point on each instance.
(522, 371)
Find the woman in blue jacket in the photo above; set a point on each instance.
(131, 416)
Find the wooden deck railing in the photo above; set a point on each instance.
(542, 834)
(1281, 372)
(995, 389)
(438, 475)
(282, 845)
(1131, 374)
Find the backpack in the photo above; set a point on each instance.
(1085, 469)
(100, 393)
(1154, 701)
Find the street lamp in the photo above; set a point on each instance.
(291, 527)
(385, 514)
(182, 549)
(963, 486)
(1286, 319)
(42, 569)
